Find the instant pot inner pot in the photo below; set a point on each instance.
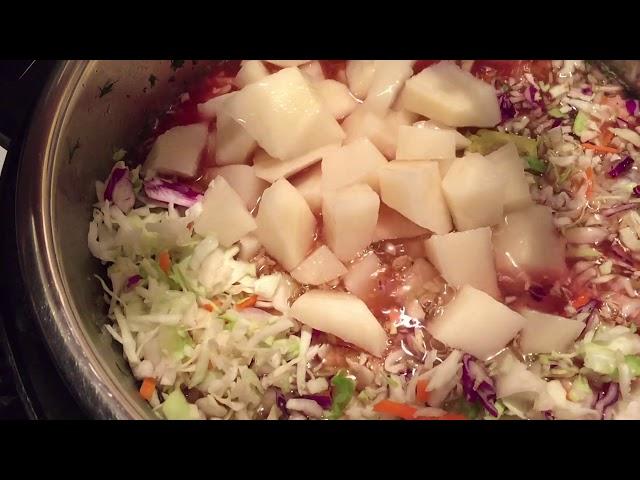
(107, 109)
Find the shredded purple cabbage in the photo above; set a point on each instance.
(607, 398)
(477, 385)
(592, 307)
(323, 400)
(281, 402)
(537, 292)
(636, 191)
(556, 122)
(171, 192)
(621, 167)
(632, 106)
(548, 415)
(507, 109)
(621, 207)
(119, 189)
(133, 280)
(587, 90)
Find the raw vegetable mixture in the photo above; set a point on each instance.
(432, 240)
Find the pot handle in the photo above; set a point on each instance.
(21, 82)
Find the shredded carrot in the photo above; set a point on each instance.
(247, 302)
(165, 261)
(208, 306)
(147, 388)
(581, 300)
(600, 148)
(606, 136)
(422, 395)
(589, 173)
(396, 409)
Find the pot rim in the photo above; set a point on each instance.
(94, 388)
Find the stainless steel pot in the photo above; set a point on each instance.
(88, 110)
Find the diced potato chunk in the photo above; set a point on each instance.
(462, 142)
(342, 315)
(362, 277)
(388, 78)
(251, 71)
(283, 114)
(309, 184)
(249, 247)
(416, 143)
(476, 323)
(508, 165)
(313, 71)
(320, 267)
(392, 225)
(210, 109)
(447, 94)
(233, 144)
(544, 333)
(286, 225)
(288, 63)
(465, 258)
(413, 189)
(360, 76)
(336, 97)
(381, 130)
(272, 169)
(350, 215)
(474, 192)
(177, 151)
(223, 214)
(357, 162)
(528, 247)
(243, 180)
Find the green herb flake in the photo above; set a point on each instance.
(536, 166)
(343, 389)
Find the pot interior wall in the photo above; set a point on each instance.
(107, 111)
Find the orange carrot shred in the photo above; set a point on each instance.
(165, 261)
(606, 136)
(589, 173)
(147, 388)
(422, 395)
(247, 302)
(446, 416)
(396, 409)
(208, 306)
(600, 148)
(581, 300)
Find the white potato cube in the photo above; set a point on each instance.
(288, 63)
(251, 71)
(416, 143)
(249, 247)
(223, 214)
(465, 258)
(313, 71)
(357, 162)
(510, 167)
(360, 76)
(349, 217)
(210, 109)
(413, 189)
(320, 267)
(474, 192)
(362, 277)
(392, 225)
(462, 142)
(544, 333)
(177, 151)
(476, 323)
(286, 225)
(342, 315)
(233, 144)
(243, 180)
(272, 169)
(336, 97)
(309, 184)
(528, 247)
(283, 114)
(447, 94)
(388, 80)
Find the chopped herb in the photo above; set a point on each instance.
(73, 149)
(343, 388)
(107, 88)
(176, 64)
(536, 166)
(152, 80)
